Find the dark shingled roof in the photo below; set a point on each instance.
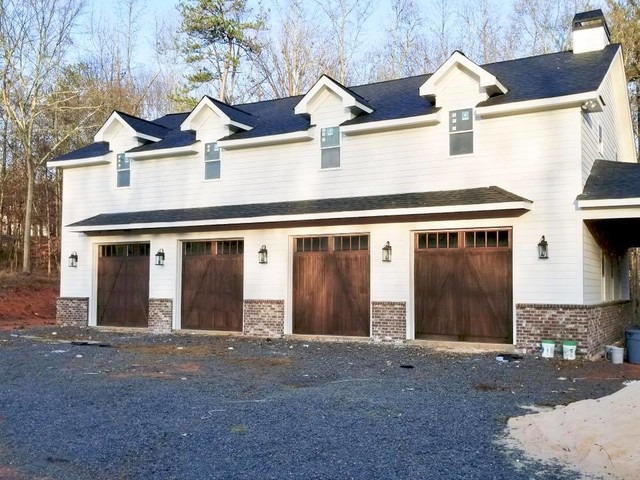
(234, 113)
(613, 180)
(472, 196)
(532, 78)
(175, 138)
(144, 126)
(92, 150)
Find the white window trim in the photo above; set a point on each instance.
(205, 162)
(118, 170)
(339, 147)
(472, 130)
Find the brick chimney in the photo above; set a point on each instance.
(590, 31)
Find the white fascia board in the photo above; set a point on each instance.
(487, 80)
(144, 136)
(610, 203)
(162, 152)
(394, 124)
(300, 136)
(497, 207)
(114, 117)
(567, 101)
(80, 162)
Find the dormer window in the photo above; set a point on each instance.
(330, 147)
(461, 132)
(211, 161)
(123, 167)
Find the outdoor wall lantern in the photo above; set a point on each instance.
(263, 254)
(73, 259)
(386, 252)
(543, 249)
(160, 257)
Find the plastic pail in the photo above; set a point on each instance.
(548, 348)
(569, 350)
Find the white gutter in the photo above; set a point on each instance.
(162, 152)
(609, 203)
(576, 100)
(300, 136)
(392, 124)
(524, 205)
(80, 162)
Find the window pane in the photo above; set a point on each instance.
(460, 120)
(480, 239)
(330, 157)
(211, 151)
(299, 247)
(124, 178)
(492, 239)
(364, 242)
(307, 244)
(123, 162)
(503, 238)
(324, 244)
(453, 240)
(460, 143)
(442, 240)
(469, 239)
(355, 243)
(212, 170)
(330, 137)
(431, 243)
(422, 240)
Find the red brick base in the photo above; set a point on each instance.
(160, 315)
(264, 318)
(592, 326)
(389, 321)
(72, 311)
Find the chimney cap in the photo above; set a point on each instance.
(590, 19)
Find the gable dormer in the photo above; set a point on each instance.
(121, 124)
(212, 118)
(459, 73)
(339, 101)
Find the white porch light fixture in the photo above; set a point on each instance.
(160, 257)
(386, 252)
(543, 248)
(263, 254)
(73, 259)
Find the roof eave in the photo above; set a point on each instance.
(391, 124)
(80, 162)
(163, 152)
(589, 101)
(282, 138)
(523, 205)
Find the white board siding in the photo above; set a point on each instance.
(592, 271)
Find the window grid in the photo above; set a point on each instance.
(330, 147)
(212, 164)
(125, 250)
(461, 132)
(123, 170)
(489, 238)
(351, 242)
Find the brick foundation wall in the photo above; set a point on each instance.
(72, 311)
(264, 318)
(592, 326)
(160, 315)
(388, 321)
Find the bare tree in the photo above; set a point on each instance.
(34, 36)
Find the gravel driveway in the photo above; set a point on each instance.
(196, 406)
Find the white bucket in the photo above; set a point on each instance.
(569, 350)
(548, 348)
(614, 354)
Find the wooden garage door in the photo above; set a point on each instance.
(331, 285)
(212, 285)
(463, 285)
(123, 285)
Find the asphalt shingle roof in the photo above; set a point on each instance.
(175, 138)
(92, 150)
(612, 180)
(531, 78)
(472, 196)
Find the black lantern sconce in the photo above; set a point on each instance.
(73, 259)
(543, 248)
(160, 257)
(386, 252)
(263, 254)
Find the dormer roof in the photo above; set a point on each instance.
(487, 80)
(232, 117)
(138, 127)
(350, 99)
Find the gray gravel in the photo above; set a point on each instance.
(194, 407)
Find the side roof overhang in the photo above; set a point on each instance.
(485, 202)
(610, 204)
(231, 117)
(137, 127)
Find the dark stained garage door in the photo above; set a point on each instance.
(331, 285)
(123, 285)
(212, 285)
(463, 286)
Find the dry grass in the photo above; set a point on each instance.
(191, 350)
(260, 362)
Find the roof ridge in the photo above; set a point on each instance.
(141, 119)
(228, 105)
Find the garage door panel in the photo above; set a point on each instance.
(123, 285)
(331, 286)
(463, 289)
(212, 287)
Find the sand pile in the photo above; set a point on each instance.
(597, 437)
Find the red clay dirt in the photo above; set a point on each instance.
(27, 301)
